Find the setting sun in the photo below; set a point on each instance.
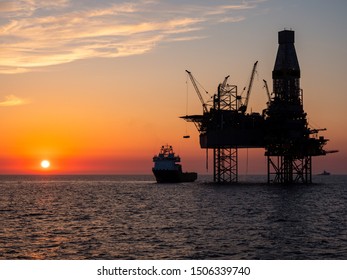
(45, 164)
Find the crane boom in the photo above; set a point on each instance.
(204, 106)
(267, 90)
(225, 81)
(251, 83)
(243, 108)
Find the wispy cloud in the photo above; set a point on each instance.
(12, 100)
(15, 8)
(36, 33)
(232, 19)
(223, 9)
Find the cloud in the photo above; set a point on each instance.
(36, 33)
(223, 9)
(28, 7)
(6, 6)
(232, 19)
(12, 100)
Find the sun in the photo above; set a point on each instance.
(45, 164)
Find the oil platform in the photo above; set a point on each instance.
(281, 129)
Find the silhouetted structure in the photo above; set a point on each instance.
(288, 143)
(282, 129)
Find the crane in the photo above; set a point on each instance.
(222, 87)
(225, 81)
(267, 90)
(243, 108)
(204, 106)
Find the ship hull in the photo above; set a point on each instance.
(174, 176)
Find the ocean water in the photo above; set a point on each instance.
(133, 217)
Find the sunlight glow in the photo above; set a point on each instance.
(45, 164)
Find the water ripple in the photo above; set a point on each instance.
(93, 217)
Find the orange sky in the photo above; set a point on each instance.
(98, 87)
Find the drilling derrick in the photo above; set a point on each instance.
(225, 128)
(289, 146)
(282, 129)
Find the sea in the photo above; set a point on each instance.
(133, 217)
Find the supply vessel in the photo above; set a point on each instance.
(166, 169)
